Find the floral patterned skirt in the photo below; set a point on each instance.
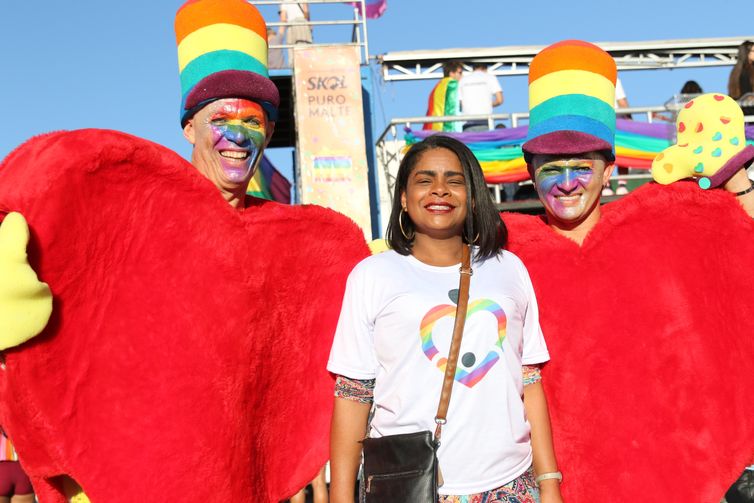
(520, 490)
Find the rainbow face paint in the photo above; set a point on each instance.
(568, 187)
(229, 137)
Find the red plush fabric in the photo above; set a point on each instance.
(185, 358)
(649, 330)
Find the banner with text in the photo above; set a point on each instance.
(331, 150)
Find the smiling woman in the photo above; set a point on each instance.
(392, 343)
(450, 164)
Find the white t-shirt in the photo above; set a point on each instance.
(476, 91)
(292, 11)
(395, 326)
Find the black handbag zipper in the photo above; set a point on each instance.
(390, 476)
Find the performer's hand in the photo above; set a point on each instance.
(25, 302)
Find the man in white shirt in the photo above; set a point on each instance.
(479, 92)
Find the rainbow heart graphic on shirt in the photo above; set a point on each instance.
(475, 373)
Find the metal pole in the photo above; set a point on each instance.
(364, 27)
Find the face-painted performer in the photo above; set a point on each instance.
(643, 300)
(184, 359)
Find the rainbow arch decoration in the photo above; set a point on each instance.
(499, 151)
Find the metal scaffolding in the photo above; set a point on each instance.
(358, 22)
(514, 60)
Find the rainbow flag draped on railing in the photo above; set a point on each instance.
(499, 151)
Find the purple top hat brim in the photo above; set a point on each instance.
(231, 84)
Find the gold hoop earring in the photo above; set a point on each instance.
(469, 241)
(400, 224)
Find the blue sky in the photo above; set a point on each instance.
(87, 63)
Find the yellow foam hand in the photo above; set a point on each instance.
(711, 145)
(25, 302)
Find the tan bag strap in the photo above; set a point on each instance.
(455, 343)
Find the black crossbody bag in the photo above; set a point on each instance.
(403, 468)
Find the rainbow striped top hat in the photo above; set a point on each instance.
(571, 100)
(222, 53)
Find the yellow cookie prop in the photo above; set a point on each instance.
(25, 302)
(711, 145)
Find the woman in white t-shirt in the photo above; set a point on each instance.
(394, 333)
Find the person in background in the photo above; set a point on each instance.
(741, 80)
(15, 486)
(275, 58)
(299, 33)
(443, 100)
(691, 87)
(479, 92)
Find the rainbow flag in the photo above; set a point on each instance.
(375, 8)
(269, 183)
(443, 100)
(499, 151)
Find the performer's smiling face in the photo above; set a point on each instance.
(570, 186)
(228, 137)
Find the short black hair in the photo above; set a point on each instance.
(691, 87)
(482, 217)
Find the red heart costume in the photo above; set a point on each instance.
(185, 357)
(649, 330)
